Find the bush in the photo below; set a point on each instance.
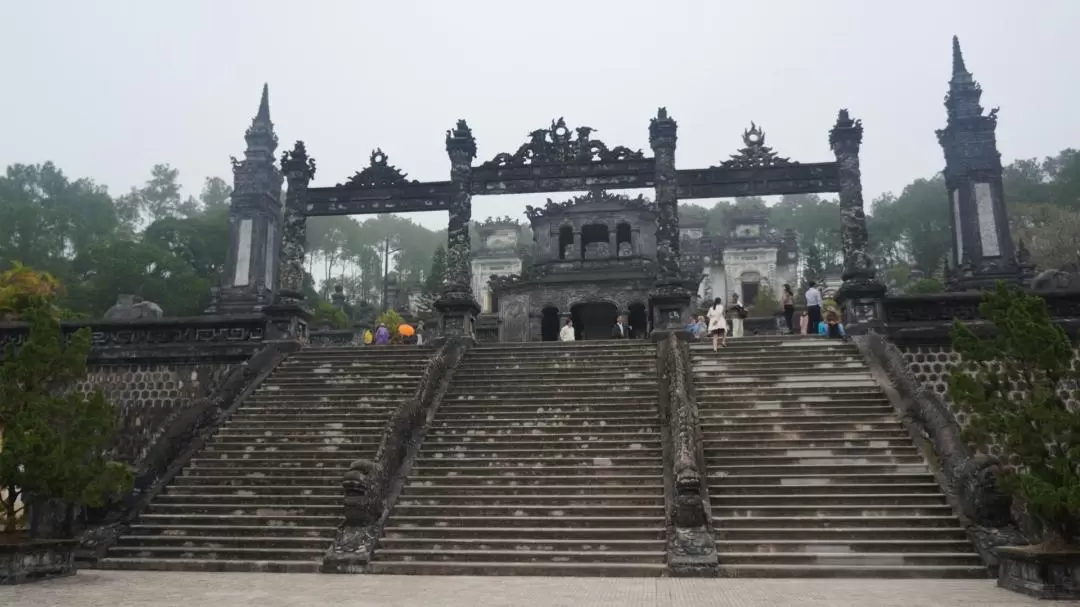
(926, 285)
(55, 441)
(1014, 394)
(326, 315)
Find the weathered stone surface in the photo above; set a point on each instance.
(1043, 575)
(36, 560)
(299, 170)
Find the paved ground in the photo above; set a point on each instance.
(130, 589)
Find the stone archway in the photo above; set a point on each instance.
(549, 324)
(593, 320)
(638, 319)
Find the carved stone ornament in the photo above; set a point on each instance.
(498, 222)
(362, 505)
(556, 145)
(754, 153)
(296, 161)
(379, 174)
(593, 197)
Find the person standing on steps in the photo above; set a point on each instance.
(788, 301)
(813, 306)
(567, 332)
(738, 315)
(717, 324)
(620, 330)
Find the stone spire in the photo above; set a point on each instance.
(983, 250)
(250, 277)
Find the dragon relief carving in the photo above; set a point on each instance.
(556, 145)
(593, 197)
(755, 153)
(378, 174)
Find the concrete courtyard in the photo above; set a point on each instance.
(143, 589)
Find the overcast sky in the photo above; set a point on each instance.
(108, 88)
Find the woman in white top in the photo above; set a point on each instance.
(738, 313)
(567, 332)
(717, 324)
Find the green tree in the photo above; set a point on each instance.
(216, 193)
(433, 283)
(55, 440)
(926, 285)
(1013, 385)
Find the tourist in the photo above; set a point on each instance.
(788, 301)
(717, 324)
(620, 330)
(369, 337)
(382, 335)
(567, 332)
(831, 327)
(420, 333)
(700, 328)
(738, 315)
(813, 305)
(804, 323)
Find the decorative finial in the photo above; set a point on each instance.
(958, 67)
(264, 104)
(460, 138)
(297, 163)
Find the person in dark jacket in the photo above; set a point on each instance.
(620, 330)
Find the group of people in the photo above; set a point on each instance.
(620, 330)
(715, 321)
(406, 334)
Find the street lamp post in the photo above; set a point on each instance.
(387, 252)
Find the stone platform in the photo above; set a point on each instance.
(175, 589)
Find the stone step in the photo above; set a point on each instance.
(526, 544)
(269, 491)
(805, 437)
(562, 459)
(618, 405)
(797, 408)
(358, 416)
(272, 462)
(473, 436)
(478, 453)
(579, 424)
(876, 423)
(267, 510)
(552, 511)
(491, 444)
(314, 410)
(245, 520)
(513, 533)
(764, 417)
(216, 565)
(552, 470)
(382, 383)
(766, 390)
(317, 435)
(563, 413)
(880, 559)
(824, 469)
(531, 390)
(616, 380)
(218, 553)
(788, 523)
(255, 453)
(557, 522)
(345, 425)
(719, 450)
(519, 569)
(520, 555)
(320, 543)
(616, 478)
(706, 366)
(722, 462)
(622, 345)
(842, 533)
(850, 547)
(181, 531)
(796, 478)
(643, 370)
(851, 571)
(240, 498)
(718, 493)
(585, 498)
(266, 472)
(227, 478)
(387, 390)
(554, 400)
(781, 378)
(304, 398)
(722, 509)
(751, 501)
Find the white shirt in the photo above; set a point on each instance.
(716, 318)
(622, 331)
(813, 297)
(566, 333)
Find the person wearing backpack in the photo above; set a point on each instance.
(738, 315)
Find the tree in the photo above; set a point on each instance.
(215, 194)
(926, 285)
(55, 440)
(1014, 387)
(437, 275)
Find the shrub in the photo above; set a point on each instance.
(1014, 391)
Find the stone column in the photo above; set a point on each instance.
(579, 253)
(861, 294)
(289, 315)
(457, 305)
(635, 240)
(613, 244)
(671, 294)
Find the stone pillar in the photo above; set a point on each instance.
(250, 278)
(457, 305)
(635, 240)
(672, 293)
(579, 253)
(613, 244)
(289, 315)
(982, 250)
(861, 293)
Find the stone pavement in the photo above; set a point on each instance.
(146, 589)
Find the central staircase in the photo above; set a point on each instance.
(265, 493)
(811, 472)
(543, 459)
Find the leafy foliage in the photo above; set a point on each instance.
(392, 319)
(926, 285)
(55, 440)
(1014, 391)
(326, 315)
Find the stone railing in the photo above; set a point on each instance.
(183, 433)
(328, 338)
(927, 319)
(371, 486)
(221, 338)
(969, 480)
(691, 545)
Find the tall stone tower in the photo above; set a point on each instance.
(983, 251)
(250, 278)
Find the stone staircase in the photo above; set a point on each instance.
(265, 493)
(811, 473)
(543, 459)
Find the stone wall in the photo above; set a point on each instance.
(147, 395)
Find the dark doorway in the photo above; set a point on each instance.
(594, 320)
(566, 242)
(638, 320)
(595, 235)
(623, 240)
(549, 324)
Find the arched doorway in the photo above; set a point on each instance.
(594, 320)
(549, 324)
(638, 320)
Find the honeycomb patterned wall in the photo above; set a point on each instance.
(145, 395)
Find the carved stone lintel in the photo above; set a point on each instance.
(378, 174)
(556, 145)
(754, 154)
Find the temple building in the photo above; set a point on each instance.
(751, 259)
(495, 252)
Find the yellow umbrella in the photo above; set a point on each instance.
(406, 330)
